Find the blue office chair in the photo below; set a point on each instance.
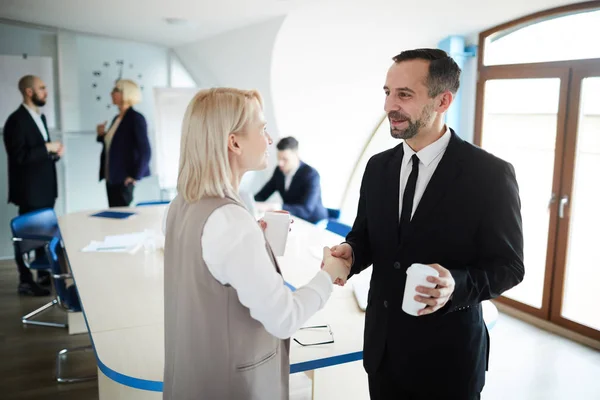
(151, 203)
(31, 231)
(67, 299)
(333, 213)
(338, 228)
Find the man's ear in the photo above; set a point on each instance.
(445, 101)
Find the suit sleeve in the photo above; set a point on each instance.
(500, 262)
(358, 237)
(267, 190)
(17, 148)
(305, 206)
(140, 132)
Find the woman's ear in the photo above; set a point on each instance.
(233, 144)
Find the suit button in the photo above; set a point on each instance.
(397, 265)
(385, 303)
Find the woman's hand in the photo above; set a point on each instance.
(263, 223)
(101, 129)
(129, 180)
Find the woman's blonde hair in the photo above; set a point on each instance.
(132, 94)
(210, 118)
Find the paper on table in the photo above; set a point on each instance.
(127, 243)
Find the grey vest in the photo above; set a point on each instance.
(214, 349)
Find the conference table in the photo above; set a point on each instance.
(123, 303)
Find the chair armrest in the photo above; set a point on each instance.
(33, 237)
(62, 276)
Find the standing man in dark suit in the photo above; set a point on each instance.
(32, 156)
(298, 184)
(436, 200)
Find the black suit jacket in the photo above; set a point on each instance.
(468, 221)
(130, 150)
(303, 197)
(31, 169)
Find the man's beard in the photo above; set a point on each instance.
(37, 101)
(413, 127)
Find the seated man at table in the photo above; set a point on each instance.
(297, 183)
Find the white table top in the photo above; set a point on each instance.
(122, 298)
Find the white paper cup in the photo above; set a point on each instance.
(278, 226)
(416, 275)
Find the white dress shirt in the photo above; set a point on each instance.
(429, 159)
(234, 251)
(38, 121)
(288, 178)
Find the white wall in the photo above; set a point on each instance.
(242, 59)
(327, 81)
(81, 56)
(75, 57)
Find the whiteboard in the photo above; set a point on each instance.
(170, 106)
(13, 68)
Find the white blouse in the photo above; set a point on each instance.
(233, 247)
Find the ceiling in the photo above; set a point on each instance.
(144, 20)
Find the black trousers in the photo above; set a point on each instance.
(40, 253)
(384, 385)
(119, 194)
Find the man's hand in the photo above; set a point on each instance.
(440, 294)
(344, 252)
(129, 180)
(337, 268)
(53, 147)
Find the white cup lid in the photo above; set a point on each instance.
(422, 269)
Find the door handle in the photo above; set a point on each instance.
(564, 200)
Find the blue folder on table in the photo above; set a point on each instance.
(113, 214)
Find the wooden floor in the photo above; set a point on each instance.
(28, 353)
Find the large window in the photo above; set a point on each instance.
(538, 108)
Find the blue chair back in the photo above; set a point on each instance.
(67, 295)
(333, 213)
(338, 228)
(36, 223)
(151, 203)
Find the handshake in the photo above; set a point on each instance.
(337, 262)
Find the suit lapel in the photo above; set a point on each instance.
(392, 192)
(446, 172)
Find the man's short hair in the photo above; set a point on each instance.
(287, 143)
(444, 72)
(26, 82)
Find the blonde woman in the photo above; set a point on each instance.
(228, 314)
(125, 157)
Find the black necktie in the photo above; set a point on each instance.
(409, 195)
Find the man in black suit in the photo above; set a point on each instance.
(31, 168)
(298, 184)
(435, 200)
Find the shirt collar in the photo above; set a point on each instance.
(429, 153)
(31, 110)
(293, 172)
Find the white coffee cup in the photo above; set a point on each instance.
(278, 226)
(416, 275)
